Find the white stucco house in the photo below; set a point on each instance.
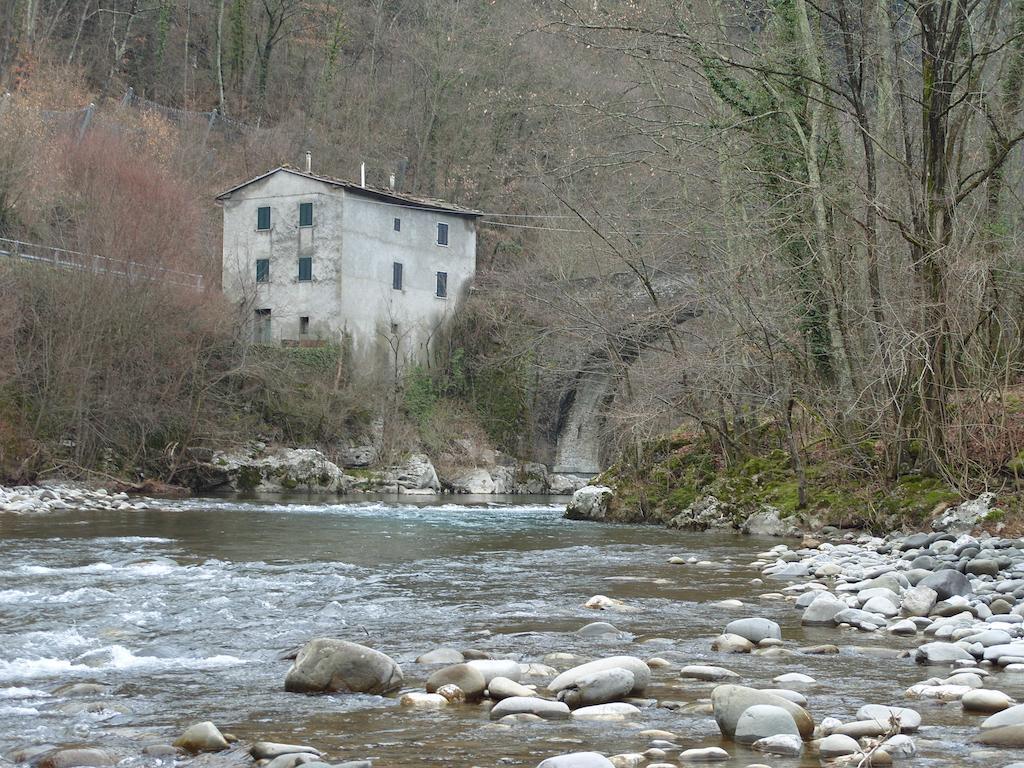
(317, 260)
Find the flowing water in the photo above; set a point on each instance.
(185, 612)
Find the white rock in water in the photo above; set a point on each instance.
(702, 672)
(612, 711)
(641, 672)
(423, 700)
(705, 755)
(763, 720)
(577, 760)
(838, 745)
(782, 744)
(909, 720)
(202, 737)
(503, 688)
(985, 700)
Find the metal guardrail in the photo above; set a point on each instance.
(62, 258)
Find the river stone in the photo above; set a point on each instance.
(441, 656)
(597, 629)
(292, 761)
(1005, 729)
(859, 619)
(985, 700)
(837, 745)
(794, 677)
(784, 744)
(705, 755)
(763, 720)
(492, 668)
(641, 672)
(503, 688)
(947, 583)
(822, 610)
(598, 687)
(881, 605)
(70, 758)
(531, 705)
(702, 672)
(941, 653)
(469, 679)
(201, 737)
(730, 701)
(754, 629)
(589, 503)
(423, 700)
(618, 710)
(909, 720)
(577, 760)
(268, 750)
(900, 745)
(731, 644)
(326, 665)
(859, 729)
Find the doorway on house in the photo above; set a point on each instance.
(261, 326)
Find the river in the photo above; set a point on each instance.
(184, 612)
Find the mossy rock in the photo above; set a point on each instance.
(249, 477)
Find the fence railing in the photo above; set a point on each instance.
(63, 258)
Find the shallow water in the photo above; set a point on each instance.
(185, 613)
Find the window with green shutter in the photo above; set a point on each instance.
(305, 268)
(263, 217)
(262, 270)
(442, 284)
(305, 214)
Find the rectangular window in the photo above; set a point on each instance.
(261, 326)
(305, 268)
(442, 284)
(305, 214)
(303, 326)
(263, 217)
(398, 225)
(442, 234)
(262, 270)
(396, 275)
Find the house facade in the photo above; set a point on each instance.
(316, 260)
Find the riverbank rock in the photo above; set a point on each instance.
(729, 702)
(1004, 729)
(475, 481)
(201, 737)
(590, 502)
(278, 470)
(768, 522)
(326, 665)
(640, 671)
(966, 515)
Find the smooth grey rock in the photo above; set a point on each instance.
(578, 760)
(326, 665)
(599, 687)
(589, 503)
(530, 705)
(597, 629)
(468, 678)
(641, 672)
(837, 745)
(941, 653)
(202, 737)
(615, 710)
(754, 629)
(985, 700)
(703, 672)
(783, 744)
(502, 688)
(705, 755)
(492, 668)
(268, 750)
(1004, 728)
(909, 720)
(947, 584)
(763, 720)
(900, 745)
(730, 701)
(822, 610)
(85, 757)
(441, 656)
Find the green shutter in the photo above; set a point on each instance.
(305, 214)
(263, 218)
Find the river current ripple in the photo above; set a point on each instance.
(185, 614)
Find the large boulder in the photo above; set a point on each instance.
(475, 481)
(941, 653)
(754, 629)
(589, 503)
(469, 679)
(326, 665)
(728, 702)
(822, 610)
(279, 470)
(768, 522)
(641, 673)
(947, 583)
(919, 601)
(598, 688)
(1004, 729)
(763, 720)
(416, 474)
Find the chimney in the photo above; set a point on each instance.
(362, 175)
(309, 161)
(391, 181)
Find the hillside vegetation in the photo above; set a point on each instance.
(789, 230)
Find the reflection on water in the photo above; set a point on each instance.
(185, 612)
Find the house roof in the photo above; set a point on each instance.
(383, 195)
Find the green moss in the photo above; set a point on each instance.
(288, 482)
(249, 477)
(995, 515)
